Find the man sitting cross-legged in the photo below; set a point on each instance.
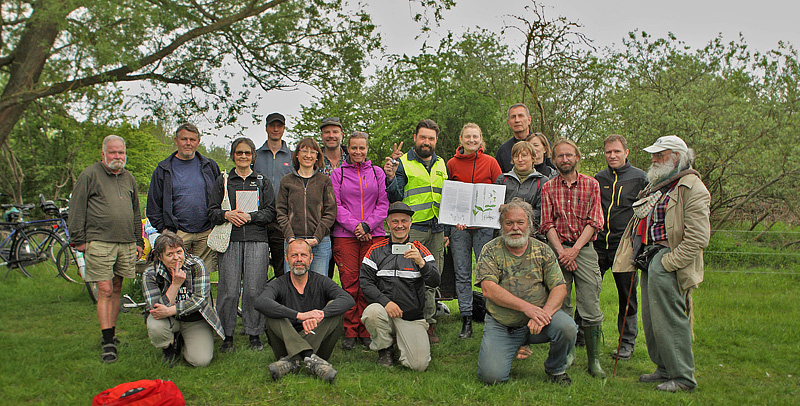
(305, 313)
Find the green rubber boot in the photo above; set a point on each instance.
(592, 335)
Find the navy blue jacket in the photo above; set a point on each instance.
(159, 196)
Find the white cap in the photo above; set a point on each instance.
(671, 142)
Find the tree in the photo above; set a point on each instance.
(51, 47)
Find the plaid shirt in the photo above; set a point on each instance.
(194, 295)
(657, 230)
(328, 167)
(569, 208)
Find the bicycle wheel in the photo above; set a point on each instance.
(68, 264)
(34, 251)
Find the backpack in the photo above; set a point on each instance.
(141, 393)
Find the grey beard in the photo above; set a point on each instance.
(515, 242)
(659, 172)
(299, 270)
(116, 165)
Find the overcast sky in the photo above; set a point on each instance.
(763, 23)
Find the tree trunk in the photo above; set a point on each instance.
(29, 59)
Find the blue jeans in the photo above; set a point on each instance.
(500, 344)
(322, 255)
(463, 243)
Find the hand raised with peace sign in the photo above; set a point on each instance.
(391, 164)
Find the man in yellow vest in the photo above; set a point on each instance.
(416, 180)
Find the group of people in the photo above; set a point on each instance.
(307, 211)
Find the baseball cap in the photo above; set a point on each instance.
(276, 117)
(400, 207)
(330, 121)
(671, 142)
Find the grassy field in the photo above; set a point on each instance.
(747, 351)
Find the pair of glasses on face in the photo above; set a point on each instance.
(661, 155)
(245, 153)
(309, 151)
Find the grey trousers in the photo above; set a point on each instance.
(667, 329)
(286, 341)
(587, 282)
(198, 338)
(412, 336)
(242, 268)
(434, 242)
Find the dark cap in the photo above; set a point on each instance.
(400, 207)
(276, 117)
(330, 121)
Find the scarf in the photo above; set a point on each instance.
(523, 175)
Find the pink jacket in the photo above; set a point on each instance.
(360, 191)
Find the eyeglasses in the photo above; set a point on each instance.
(240, 153)
(568, 156)
(309, 151)
(661, 155)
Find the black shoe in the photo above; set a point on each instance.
(109, 353)
(348, 343)
(255, 343)
(385, 357)
(227, 346)
(365, 341)
(561, 379)
(170, 355)
(466, 327)
(580, 341)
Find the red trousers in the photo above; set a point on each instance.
(348, 254)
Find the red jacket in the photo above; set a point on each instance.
(473, 168)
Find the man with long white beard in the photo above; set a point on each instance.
(104, 223)
(305, 316)
(665, 239)
(524, 289)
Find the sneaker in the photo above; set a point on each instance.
(321, 368)
(283, 366)
(432, 335)
(109, 353)
(674, 386)
(227, 346)
(365, 341)
(385, 357)
(348, 343)
(561, 379)
(255, 343)
(625, 353)
(654, 377)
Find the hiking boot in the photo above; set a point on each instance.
(170, 355)
(432, 335)
(385, 357)
(284, 366)
(109, 353)
(466, 328)
(365, 341)
(561, 379)
(625, 353)
(348, 343)
(673, 386)
(321, 368)
(255, 343)
(227, 346)
(654, 377)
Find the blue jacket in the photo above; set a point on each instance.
(159, 196)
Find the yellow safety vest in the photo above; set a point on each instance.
(423, 191)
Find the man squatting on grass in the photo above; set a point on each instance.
(305, 316)
(524, 289)
(671, 223)
(105, 224)
(394, 285)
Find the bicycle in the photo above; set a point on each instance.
(27, 248)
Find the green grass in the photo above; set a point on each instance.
(746, 351)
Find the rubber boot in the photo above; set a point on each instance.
(466, 327)
(592, 335)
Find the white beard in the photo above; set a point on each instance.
(659, 172)
(515, 242)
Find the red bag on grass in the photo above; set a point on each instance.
(141, 393)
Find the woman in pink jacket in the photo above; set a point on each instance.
(361, 206)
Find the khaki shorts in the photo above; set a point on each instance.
(104, 260)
